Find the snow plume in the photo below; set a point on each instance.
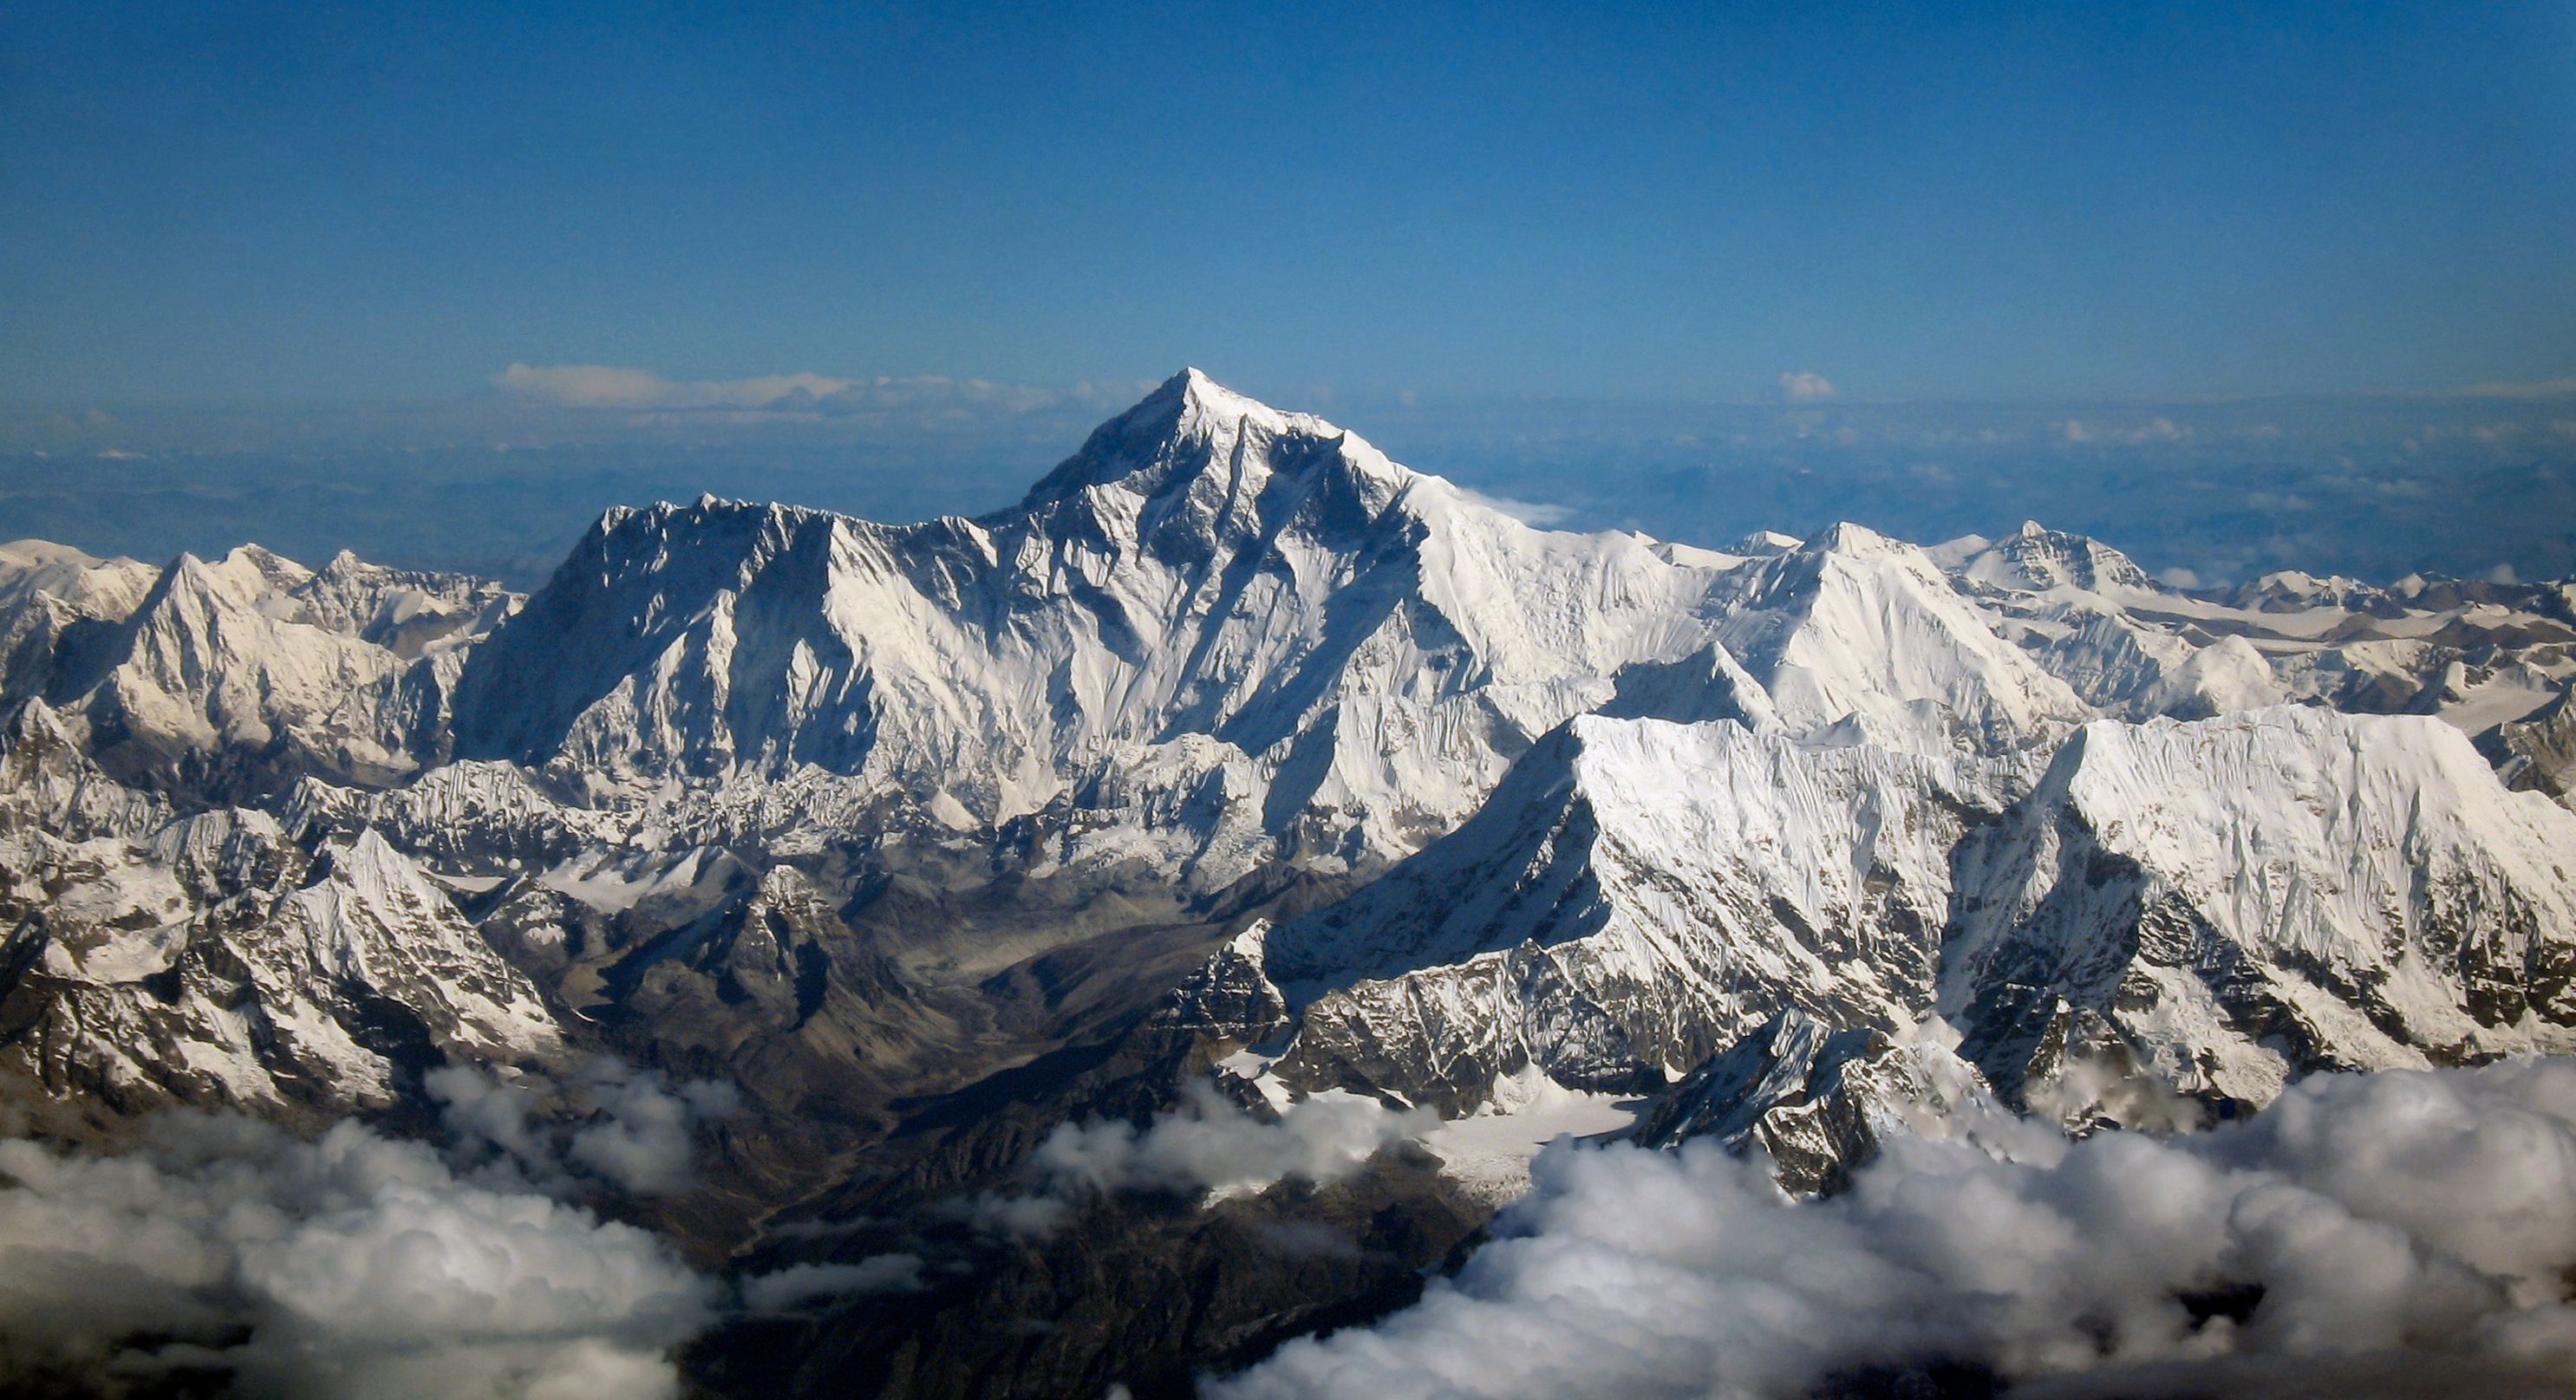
(2406, 1233)
(633, 1129)
(350, 1265)
(1208, 1145)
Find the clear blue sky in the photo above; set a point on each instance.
(268, 202)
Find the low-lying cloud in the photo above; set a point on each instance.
(1208, 1145)
(633, 1129)
(797, 1285)
(2408, 1233)
(358, 1264)
(351, 1265)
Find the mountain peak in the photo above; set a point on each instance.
(1191, 425)
(1847, 537)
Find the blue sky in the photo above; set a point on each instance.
(298, 203)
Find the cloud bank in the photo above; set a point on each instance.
(2406, 1233)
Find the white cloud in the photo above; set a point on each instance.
(587, 386)
(2155, 429)
(2178, 577)
(2393, 1234)
(1207, 1145)
(634, 1129)
(1805, 386)
(1214, 1145)
(2503, 573)
(643, 1131)
(351, 1265)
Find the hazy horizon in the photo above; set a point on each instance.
(2205, 491)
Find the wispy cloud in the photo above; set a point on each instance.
(615, 386)
(2527, 389)
(2152, 429)
(1538, 514)
(626, 388)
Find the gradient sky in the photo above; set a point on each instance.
(255, 202)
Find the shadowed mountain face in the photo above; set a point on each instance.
(1163, 918)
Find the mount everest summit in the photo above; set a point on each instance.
(1239, 770)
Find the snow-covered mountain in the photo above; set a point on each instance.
(1238, 749)
(2245, 899)
(210, 959)
(227, 679)
(1211, 597)
(1636, 896)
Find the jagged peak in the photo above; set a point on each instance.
(1849, 538)
(1768, 542)
(37, 725)
(2035, 557)
(278, 571)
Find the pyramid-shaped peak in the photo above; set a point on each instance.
(1847, 537)
(1191, 424)
(1193, 397)
(2035, 557)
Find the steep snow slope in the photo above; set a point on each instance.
(2204, 909)
(1636, 895)
(59, 606)
(2247, 898)
(1855, 625)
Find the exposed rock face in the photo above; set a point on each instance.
(211, 961)
(1636, 896)
(2538, 752)
(2253, 897)
(1818, 1102)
